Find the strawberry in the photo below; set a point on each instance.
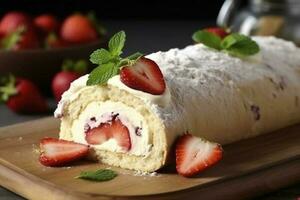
(55, 152)
(18, 32)
(46, 23)
(21, 39)
(194, 155)
(217, 31)
(62, 80)
(12, 21)
(114, 129)
(52, 41)
(144, 75)
(22, 96)
(78, 29)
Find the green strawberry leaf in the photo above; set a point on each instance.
(7, 87)
(93, 18)
(9, 41)
(79, 66)
(99, 175)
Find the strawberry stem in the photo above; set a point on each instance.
(95, 22)
(79, 66)
(8, 89)
(13, 38)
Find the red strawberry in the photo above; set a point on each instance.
(22, 38)
(217, 31)
(46, 23)
(22, 96)
(144, 75)
(78, 29)
(194, 155)
(55, 152)
(13, 20)
(52, 41)
(106, 131)
(62, 80)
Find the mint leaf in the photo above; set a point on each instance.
(100, 56)
(101, 74)
(239, 45)
(116, 43)
(99, 175)
(109, 61)
(208, 39)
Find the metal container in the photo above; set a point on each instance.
(280, 18)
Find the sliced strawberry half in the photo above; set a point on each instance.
(99, 134)
(194, 155)
(56, 152)
(221, 32)
(144, 75)
(106, 131)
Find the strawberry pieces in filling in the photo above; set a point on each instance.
(112, 129)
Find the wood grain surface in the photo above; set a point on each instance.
(249, 168)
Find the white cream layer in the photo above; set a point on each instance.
(140, 145)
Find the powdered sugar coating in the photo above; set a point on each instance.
(212, 92)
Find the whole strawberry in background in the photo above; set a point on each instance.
(18, 32)
(12, 21)
(78, 28)
(53, 41)
(46, 23)
(71, 70)
(22, 96)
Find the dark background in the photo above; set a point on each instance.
(116, 9)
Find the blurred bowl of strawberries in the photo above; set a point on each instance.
(35, 47)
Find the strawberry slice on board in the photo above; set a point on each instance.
(221, 32)
(194, 155)
(109, 130)
(144, 75)
(56, 152)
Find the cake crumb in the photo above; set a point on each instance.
(141, 173)
(20, 138)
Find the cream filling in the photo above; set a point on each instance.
(100, 112)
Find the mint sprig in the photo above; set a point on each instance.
(234, 44)
(98, 175)
(109, 61)
(208, 39)
(239, 45)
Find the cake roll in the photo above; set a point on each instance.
(208, 93)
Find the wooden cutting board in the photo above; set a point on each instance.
(249, 168)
